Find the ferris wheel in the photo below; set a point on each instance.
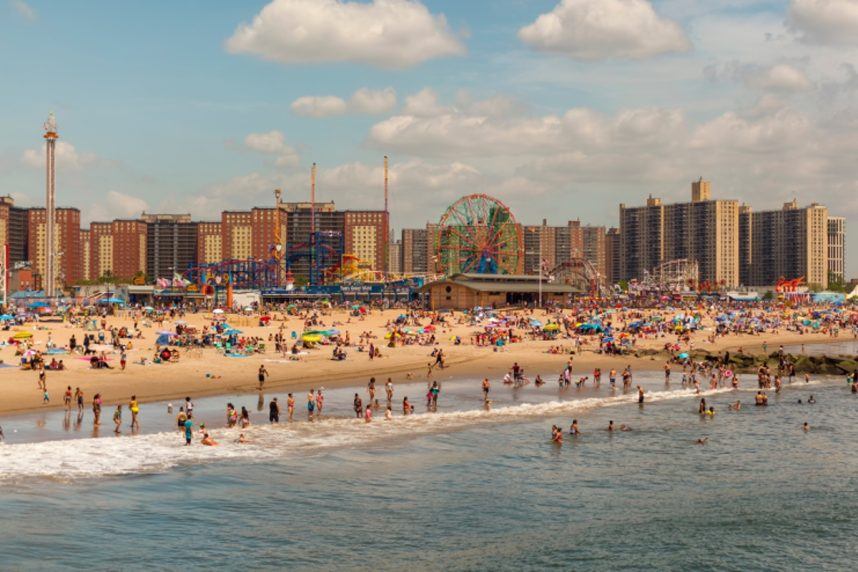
(479, 234)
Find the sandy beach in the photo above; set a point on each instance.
(209, 372)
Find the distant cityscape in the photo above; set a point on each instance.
(730, 244)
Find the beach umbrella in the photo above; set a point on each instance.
(217, 311)
(149, 308)
(312, 338)
(38, 304)
(683, 355)
(551, 327)
(22, 335)
(7, 317)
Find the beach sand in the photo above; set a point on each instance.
(19, 389)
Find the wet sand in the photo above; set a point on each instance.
(19, 389)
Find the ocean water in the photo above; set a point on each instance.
(843, 346)
(462, 488)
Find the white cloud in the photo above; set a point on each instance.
(372, 102)
(605, 29)
(363, 101)
(238, 192)
(435, 130)
(23, 9)
(824, 21)
(423, 103)
(125, 205)
(67, 157)
(319, 106)
(782, 77)
(773, 129)
(272, 143)
(384, 33)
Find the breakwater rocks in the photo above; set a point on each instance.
(747, 363)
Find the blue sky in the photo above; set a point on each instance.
(169, 106)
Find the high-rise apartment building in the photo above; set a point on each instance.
(14, 229)
(612, 256)
(540, 246)
(117, 249)
(789, 243)
(394, 255)
(67, 253)
(209, 243)
(414, 250)
(641, 238)
(365, 236)
(171, 244)
(701, 191)
(594, 248)
(85, 254)
(837, 248)
(704, 230)
(237, 235)
(746, 242)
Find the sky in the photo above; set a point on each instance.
(562, 109)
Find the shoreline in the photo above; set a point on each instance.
(487, 363)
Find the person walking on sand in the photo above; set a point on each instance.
(262, 375)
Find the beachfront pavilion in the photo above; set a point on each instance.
(464, 291)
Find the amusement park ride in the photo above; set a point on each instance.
(321, 254)
(479, 234)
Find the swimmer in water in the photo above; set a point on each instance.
(736, 406)
(388, 414)
(208, 440)
(811, 400)
(556, 435)
(640, 395)
(702, 441)
(611, 425)
(242, 439)
(573, 429)
(624, 427)
(806, 427)
(710, 412)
